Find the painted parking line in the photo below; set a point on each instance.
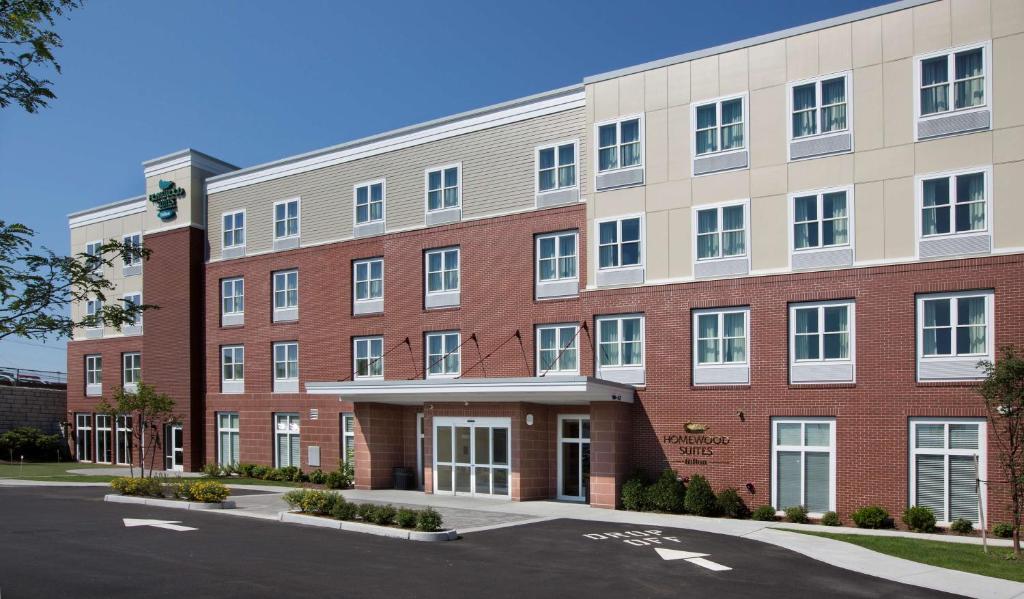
(174, 525)
(693, 558)
(654, 537)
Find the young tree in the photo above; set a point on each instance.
(37, 287)
(149, 411)
(1003, 391)
(26, 46)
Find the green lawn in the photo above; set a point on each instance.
(955, 556)
(58, 471)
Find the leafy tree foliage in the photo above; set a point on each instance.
(1003, 392)
(149, 412)
(27, 43)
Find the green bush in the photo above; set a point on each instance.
(384, 515)
(797, 514)
(731, 505)
(317, 477)
(140, 487)
(260, 472)
(961, 526)
(667, 494)
(246, 470)
(318, 502)
(1003, 530)
(32, 444)
(340, 478)
(634, 495)
(871, 516)
(700, 498)
(428, 520)
(294, 498)
(365, 511)
(919, 518)
(831, 519)
(344, 510)
(764, 513)
(207, 491)
(212, 470)
(406, 518)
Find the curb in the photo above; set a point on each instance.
(170, 503)
(370, 529)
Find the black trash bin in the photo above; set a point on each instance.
(403, 478)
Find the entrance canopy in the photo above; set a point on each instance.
(561, 390)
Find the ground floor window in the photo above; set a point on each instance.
(348, 434)
(574, 457)
(803, 460)
(945, 458)
(227, 438)
(286, 440)
(104, 439)
(471, 456)
(83, 437)
(124, 439)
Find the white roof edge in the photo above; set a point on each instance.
(185, 158)
(474, 385)
(107, 211)
(760, 39)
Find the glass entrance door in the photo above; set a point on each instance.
(174, 447)
(471, 456)
(574, 458)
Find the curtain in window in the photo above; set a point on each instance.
(707, 234)
(451, 361)
(935, 215)
(607, 156)
(451, 270)
(609, 343)
(930, 484)
(732, 124)
(376, 202)
(707, 334)
(632, 350)
(707, 120)
(608, 234)
(735, 349)
(833, 105)
(803, 110)
(732, 231)
(934, 94)
(837, 339)
(835, 223)
(970, 200)
(970, 81)
(970, 330)
(567, 262)
(806, 334)
(434, 193)
(376, 279)
(567, 170)
(547, 258)
(805, 226)
(548, 351)
(546, 165)
(937, 338)
(630, 241)
(630, 148)
(451, 189)
(963, 496)
(788, 479)
(566, 342)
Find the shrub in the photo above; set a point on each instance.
(406, 518)
(207, 491)
(340, 478)
(259, 472)
(32, 444)
(274, 474)
(317, 502)
(317, 477)
(797, 514)
(831, 519)
(731, 505)
(871, 516)
(961, 526)
(211, 470)
(428, 520)
(634, 495)
(246, 470)
(365, 511)
(1003, 530)
(384, 515)
(141, 487)
(700, 499)
(228, 469)
(344, 510)
(294, 498)
(667, 494)
(919, 518)
(764, 513)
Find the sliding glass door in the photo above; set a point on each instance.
(471, 456)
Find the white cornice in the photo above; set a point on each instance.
(184, 159)
(107, 212)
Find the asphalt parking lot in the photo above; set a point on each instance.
(67, 542)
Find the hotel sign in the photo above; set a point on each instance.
(696, 443)
(166, 199)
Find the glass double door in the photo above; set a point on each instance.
(574, 458)
(471, 456)
(174, 447)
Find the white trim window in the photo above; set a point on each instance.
(131, 373)
(819, 106)
(442, 268)
(92, 252)
(286, 290)
(369, 279)
(558, 349)
(719, 126)
(286, 441)
(94, 309)
(620, 144)
(369, 202)
(348, 433)
(954, 332)
(955, 203)
(721, 231)
(234, 229)
(228, 438)
(132, 241)
(444, 187)
(804, 464)
(966, 69)
(620, 243)
(620, 341)
(557, 257)
(232, 368)
(123, 440)
(286, 365)
(822, 342)
(443, 354)
(945, 459)
(232, 296)
(556, 166)
(83, 437)
(721, 336)
(821, 220)
(368, 357)
(286, 219)
(104, 439)
(133, 298)
(94, 374)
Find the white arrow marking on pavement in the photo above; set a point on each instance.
(165, 524)
(693, 558)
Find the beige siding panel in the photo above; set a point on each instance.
(1007, 82)
(769, 180)
(899, 218)
(658, 252)
(867, 42)
(835, 49)
(768, 64)
(1007, 17)
(932, 29)
(898, 79)
(1009, 144)
(1007, 209)
(656, 142)
(606, 100)
(971, 21)
(769, 249)
(869, 221)
(656, 89)
(897, 35)
(680, 262)
(668, 196)
(679, 143)
(721, 187)
(802, 56)
(768, 124)
(886, 163)
(953, 152)
(732, 72)
(631, 94)
(618, 202)
(704, 78)
(868, 108)
(833, 171)
(678, 84)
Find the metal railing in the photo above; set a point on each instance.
(25, 377)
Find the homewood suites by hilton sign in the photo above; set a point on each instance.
(166, 199)
(696, 443)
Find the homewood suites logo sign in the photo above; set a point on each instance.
(696, 443)
(166, 199)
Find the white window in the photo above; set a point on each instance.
(286, 219)
(804, 463)
(821, 220)
(93, 374)
(132, 371)
(556, 257)
(444, 354)
(133, 241)
(228, 438)
(133, 299)
(720, 336)
(558, 349)
(232, 368)
(286, 290)
(94, 310)
(232, 293)
(945, 459)
(124, 439)
(965, 69)
(619, 243)
(104, 439)
(719, 126)
(556, 167)
(369, 357)
(348, 431)
(819, 107)
(286, 362)
(369, 202)
(954, 332)
(822, 332)
(721, 232)
(369, 279)
(234, 229)
(620, 144)
(92, 251)
(286, 441)
(83, 437)
(955, 203)
(443, 187)
(620, 341)
(442, 270)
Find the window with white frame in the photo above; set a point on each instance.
(93, 255)
(558, 349)
(822, 332)
(232, 292)
(720, 336)
(821, 220)
(369, 202)
(286, 361)
(369, 357)
(951, 325)
(556, 256)
(444, 354)
(94, 311)
(369, 279)
(819, 107)
(348, 431)
(619, 145)
(556, 167)
(232, 364)
(286, 219)
(286, 290)
(228, 438)
(443, 187)
(803, 460)
(442, 270)
(620, 341)
(945, 460)
(721, 232)
(83, 437)
(133, 299)
(955, 204)
(234, 229)
(286, 441)
(964, 70)
(93, 371)
(132, 241)
(123, 441)
(719, 126)
(104, 439)
(132, 371)
(619, 243)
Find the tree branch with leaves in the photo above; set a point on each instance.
(149, 411)
(1003, 392)
(27, 46)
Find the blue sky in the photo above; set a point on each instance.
(256, 80)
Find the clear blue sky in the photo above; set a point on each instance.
(256, 80)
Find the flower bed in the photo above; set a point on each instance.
(326, 504)
(156, 489)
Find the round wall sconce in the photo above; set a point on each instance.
(529, 420)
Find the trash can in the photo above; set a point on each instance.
(403, 478)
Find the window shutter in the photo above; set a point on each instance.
(225, 441)
(789, 479)
(963, 498)
(282, 451)
(817, 491)
(293, 458)
(234, 448)
(931, 484)
(931, 436)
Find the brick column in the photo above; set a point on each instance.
(610, 441)
(379, 444)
